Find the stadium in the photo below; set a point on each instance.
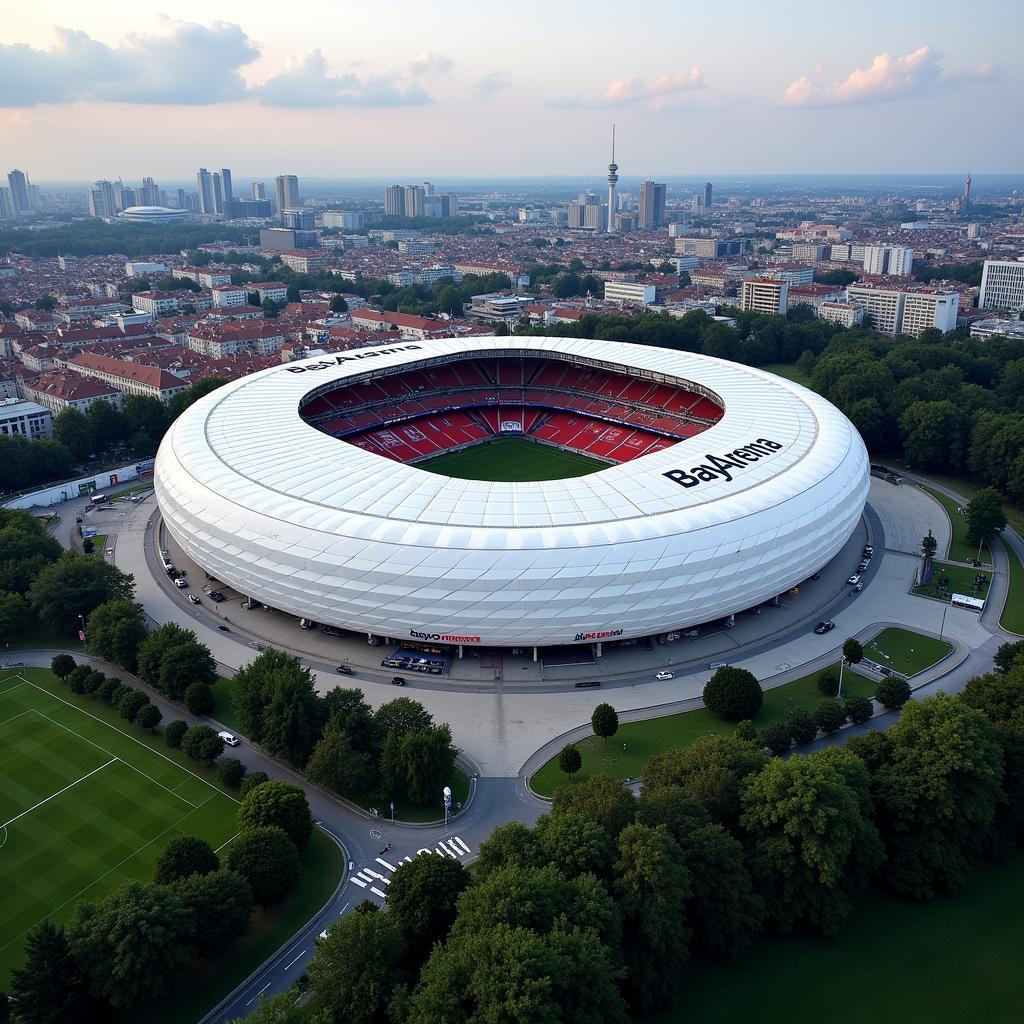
(511, 492)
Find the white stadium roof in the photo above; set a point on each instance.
(312, 525)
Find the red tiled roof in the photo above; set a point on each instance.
(151, 376)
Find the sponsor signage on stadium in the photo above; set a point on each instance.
(721, 467)
(603, 634)
(446, 637)
(351, 357)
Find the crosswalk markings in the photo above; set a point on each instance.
(372, 880)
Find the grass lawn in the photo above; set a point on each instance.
(959, 579)
(947, 961)
(1013, 614)
(960, 548)
(223, 710)
(644, 739)
(512, 459)
(904, 651)
(99, 543)
(84, 805)
(789, 371)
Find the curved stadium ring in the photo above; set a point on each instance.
(709, 488)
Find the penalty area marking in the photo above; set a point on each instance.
(58, 793)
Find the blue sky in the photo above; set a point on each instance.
(412, 89)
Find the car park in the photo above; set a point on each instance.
(344, 670)
(229, 738)
(192, 599)
(854, 579)
(397, 681)
(824, 627)
(180, 583)
(663, 675)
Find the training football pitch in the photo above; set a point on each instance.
(83, 806)
(512, 460)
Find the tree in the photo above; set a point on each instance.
(280, 804)
(14, 616)
(985, 516)
(812, 838)
(201, 743)
(62, 665)
(672, 807)
(107, 423)
(828, 682)
(1004, 657)
(801, 726)
(25, 546)
(425, 762)
(712, 770)
(268, 860)
(183, 856)
(892, 692)
(575, 844)
(423, 896)
(336, 764)
(221, 904)
(74, 431)
(356, 967)
(830, 715)
(144, 414)
(132, 943)
(198, 698)
(77, 677)
(746, 731)
(605, 721)
(351, 713)
(171, 658)
(569, 760)
(142, 445)
(338, 304)
(929, 545)
(174, 733)
(858, 709)
(200, 389)
(931, 433)
(402, 715)
(76, 584)
(115, 629)
(651, 885)
(132, 703)
(724, 910)
(252, 780)
(292, 294)
(284, 1008)
(853, 651)
(108, 688)
(51, 988)
(939, 790)
(776, 738)
(733, 694)
(148, 717)
(230, 772)
(510, 845)
(269, 307)
(93, 681)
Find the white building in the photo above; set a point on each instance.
(228, 295)
(764, 295)
(843, 313)
(144, 269)
(906, 311)
(1002, 285)
(894, 260)
(273, 290)
(629, 291)
(997, 325)
(25, 419)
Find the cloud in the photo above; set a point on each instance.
(490, 85)
(430, 65)
(632, 89)
(886, 78)
(306, 82)
(190, 64)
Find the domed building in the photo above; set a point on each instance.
(153, 215)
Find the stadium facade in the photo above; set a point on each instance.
(724, 487)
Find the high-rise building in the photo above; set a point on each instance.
(394, 201)
(124, 197)
(414, 200)
(965, 196)
(708, 197)
(449, 204)
(182, 199)
(652, 205)
(102, 202)
(218, 194)
(204, 184)
(762, 295)
(228, 194)
(287, 192)
(588, 213)
(259, 190)
(613, 180)
(894, 260)
(18, 182)
(428, 188)
(906, 310)
(1002, 285)
(6, 207)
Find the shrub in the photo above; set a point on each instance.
(62, 666)
(230, 771)
(281, 804)
(893, 692)
(199, 698)
(201, 743)
(93, 681)
(830, 714)
(252, 780)
(745, 730)
(570, 760)
(175, 733)
(184, 856)
(149, 717)
(76, 678)
(858, 709)
(775, 737)
(801, 727)
(733, 694)
(828, 682)
(107, 689)
(131, 703)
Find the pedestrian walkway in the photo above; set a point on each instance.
(371, 879)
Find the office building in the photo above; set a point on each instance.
(25, 419)
(102, 202)
(259, 190)
(652, 205)
(764, 295)
(228, 196)
(218, 194)
(628, 291)
(304, 220)
(907, 311)
(394, 201)
(251, 208)
(17, 181)
(449, 204)
(286, 188)
(588, 213)
(708, 191)
(348, 220)
(894, 260)
(415, 196)
(846, 314)
(6, 206)
(148, 194)
(1002, 285)
(287, 239)
(204, 186)
(182, 199)
(709, 248)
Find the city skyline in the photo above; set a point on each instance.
(257, 90)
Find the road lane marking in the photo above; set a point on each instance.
(381, 860)
(378, 892)
(296, 960)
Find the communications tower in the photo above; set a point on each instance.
(613, 179)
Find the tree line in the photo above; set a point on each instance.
(593, 914)
(97, 238)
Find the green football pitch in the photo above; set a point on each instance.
(512, 460)
(83, 806)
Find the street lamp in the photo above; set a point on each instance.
(447, 794)
(81, 630)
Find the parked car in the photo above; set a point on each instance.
(864, 563)
(824, 627)
(854, 579)
(216, 596)
(397, 681)
(344, 670)
(180, 583)
(224, 629)
(229, 738)
(192, 599)
(868, 550)
(663, 675)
